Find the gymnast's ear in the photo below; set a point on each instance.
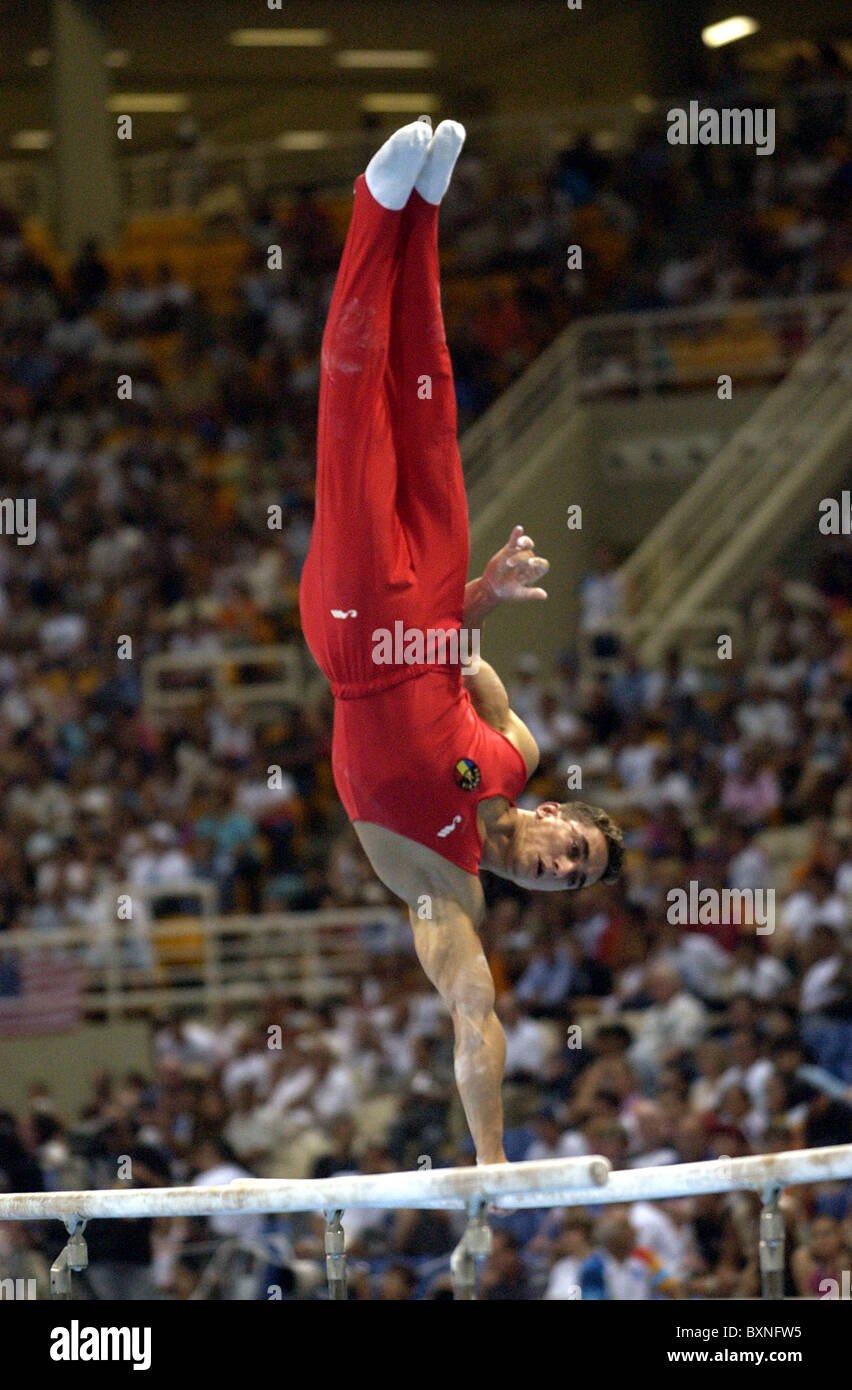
(548, 810)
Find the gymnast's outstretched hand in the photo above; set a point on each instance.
(514, 572)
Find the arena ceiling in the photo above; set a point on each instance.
(481, 56)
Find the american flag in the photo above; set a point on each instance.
(39, 994)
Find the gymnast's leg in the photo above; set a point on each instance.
(358, 551)
(431, 500)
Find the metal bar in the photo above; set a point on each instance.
(687, 1179)
(440, 1188)
(772, 1244)
(552, 1183)
(335, 1256)
(473, 1248)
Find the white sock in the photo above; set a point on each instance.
(444, 149)
(393, 169)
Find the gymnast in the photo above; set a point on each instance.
(428, 758)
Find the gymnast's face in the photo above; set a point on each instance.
(552, 854)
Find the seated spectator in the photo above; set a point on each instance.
(675, 1020)
(526, 1050)
(617, 1269)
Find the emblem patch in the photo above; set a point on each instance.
(467, 774)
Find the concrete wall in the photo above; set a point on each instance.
(67, 1061)
(624, 510)
(617, 512)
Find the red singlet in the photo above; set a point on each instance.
(390, 544)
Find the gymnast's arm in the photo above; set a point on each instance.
(489, 699)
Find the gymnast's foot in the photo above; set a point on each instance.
(392, 171)
(444, 149)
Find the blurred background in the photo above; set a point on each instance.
(200, 977)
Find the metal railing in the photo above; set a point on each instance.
(638, 355)
(748, 499)
(231, 676)
(200, 960)
(165, 180)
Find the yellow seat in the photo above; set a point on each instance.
(178, 941)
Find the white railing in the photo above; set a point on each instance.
(173, 680)
(165, 180)
(748, 500)
(697, 636)
(638, 355)
(199, 961)
(586, 1181)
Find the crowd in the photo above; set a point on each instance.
(628, 1034)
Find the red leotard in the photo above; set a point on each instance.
(390, 544)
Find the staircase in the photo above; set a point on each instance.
(750, 501)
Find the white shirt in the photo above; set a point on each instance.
(601, 597)
(677, 1024)
(248, 1227)
(819, 989)
(801, 913)
(656, 1230)
(763, 980)
(253, 1067)
(753, 1079)
(571, 1144)
(524, 1047)
(336, 1094)
(290, 1089)
(564, 1281)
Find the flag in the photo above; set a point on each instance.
(39, 994)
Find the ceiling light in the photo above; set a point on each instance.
(728, 31)
(303, 140)
(279, 38)
(32, 140)
(165, 103)
(117, 58)
(38, 57)
(400, 101)
(384, 58)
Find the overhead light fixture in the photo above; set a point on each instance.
(400, 101)
(384, 58)
(151, 103)
(279, 38)
(643, 104)
(32, 140)
(38, 57)
(116, 58)
(728, 31)
(303, 140)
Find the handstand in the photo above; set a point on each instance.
(428, 757)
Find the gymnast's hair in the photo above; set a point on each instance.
(596, 816)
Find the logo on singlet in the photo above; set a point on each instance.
(467, 774)
(448, 829)
(344, 612)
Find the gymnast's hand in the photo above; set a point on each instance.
(513, 573)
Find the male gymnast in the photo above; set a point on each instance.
(428, 757)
